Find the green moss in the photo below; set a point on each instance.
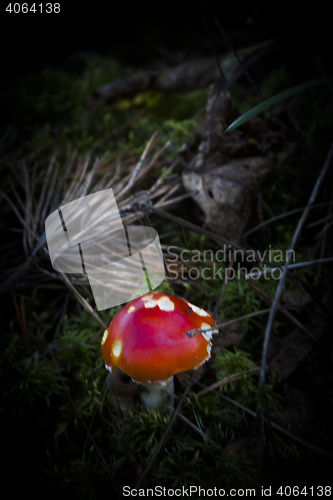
(143, 430)
(58, 98)
(239, 300)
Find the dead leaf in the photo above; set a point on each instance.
(228, 167)
(297, 408)
(298, 297)
(185, 377)
(230, 336)
(224, 193)
(291, 351)
(285, 354)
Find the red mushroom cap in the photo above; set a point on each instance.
(146, 339)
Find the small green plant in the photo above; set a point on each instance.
(239, 300)
(229, 363)
(275, 99)
(143, 430)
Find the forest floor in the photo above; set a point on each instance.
(228, 207)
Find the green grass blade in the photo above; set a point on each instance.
(277, 98)
(147, 279)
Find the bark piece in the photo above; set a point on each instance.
(184, 77)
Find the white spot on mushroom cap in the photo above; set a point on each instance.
(105, 334)
(208, 335)
(197, 310)
(116, 348)
(131, 309)
(209, 348)
(164, 303)
(205, 326)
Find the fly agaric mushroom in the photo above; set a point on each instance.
(147, 341)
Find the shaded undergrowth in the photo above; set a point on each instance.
(50, 344)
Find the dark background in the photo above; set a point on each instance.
(134, 33)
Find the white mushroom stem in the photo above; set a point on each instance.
(154, 396)
(158, 396)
